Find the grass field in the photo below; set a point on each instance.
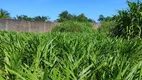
(68, 56)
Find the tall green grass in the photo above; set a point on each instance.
(68, 56)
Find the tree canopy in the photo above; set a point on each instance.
(36, 18)
(66, 16)
(4, 14)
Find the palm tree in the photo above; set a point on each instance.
(4, 14)
(23, 17)
(41, 18)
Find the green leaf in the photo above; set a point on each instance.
(1, 78)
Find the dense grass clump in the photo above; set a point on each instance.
(74, 26)
(128, 22)
(107, 27)
(68, 56)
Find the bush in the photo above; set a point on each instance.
(129, 21)
(74, 26)
(107, 27)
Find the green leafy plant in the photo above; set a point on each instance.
(66, 16)
(129, 21)
(107, 27)
(68, 56)
(74, 26)
(4, 14)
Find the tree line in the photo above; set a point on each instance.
(126, 23)
(63, 16)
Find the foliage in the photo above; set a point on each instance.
(108, 18)
(101, 18)
(36, 18)
(41, 18)
(66, 16)
(68, 56)
(82, 18)
(4, 14)
(107, 27)
(74, 26)
(129, 21)
(23, 17)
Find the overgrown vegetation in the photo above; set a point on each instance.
(74, 51)
(74, 26)
(68, 56)
(107, 27)
(128, 23)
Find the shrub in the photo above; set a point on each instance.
(107, 27)
(74, 26)
(129, 21)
